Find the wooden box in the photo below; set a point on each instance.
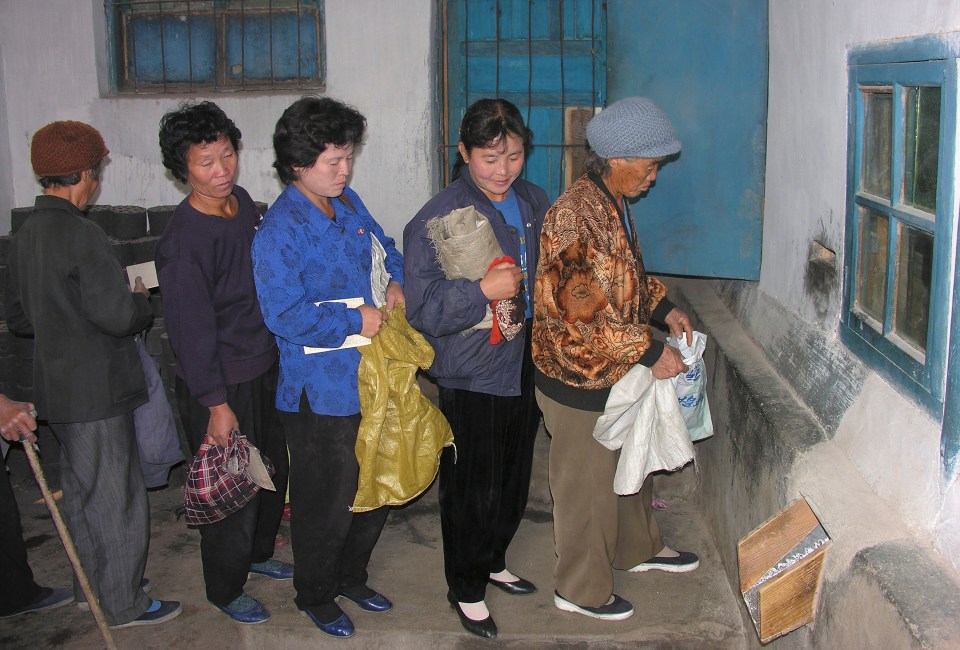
(781, 568)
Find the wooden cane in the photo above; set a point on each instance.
(68, 544)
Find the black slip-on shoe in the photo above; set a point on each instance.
(518, 587)
(684, 562)
(617, 609)
(47, 599)
(485, 629)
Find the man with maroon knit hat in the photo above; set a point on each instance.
(67, 290)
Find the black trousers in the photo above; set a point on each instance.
(484, 482)
(229, 546)
(19, 589)
(331, 544)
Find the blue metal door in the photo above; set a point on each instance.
(545, 56)
(703, 61)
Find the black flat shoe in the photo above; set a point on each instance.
(486, 628)
(518, 587)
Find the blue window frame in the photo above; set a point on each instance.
(900, 271)
(219, 45)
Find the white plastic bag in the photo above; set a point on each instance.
(642, 420)
(692, 387)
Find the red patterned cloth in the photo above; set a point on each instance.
(218, 483)
(507, 314)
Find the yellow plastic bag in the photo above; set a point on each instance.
(401, 432)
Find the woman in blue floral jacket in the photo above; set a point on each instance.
(316, 247)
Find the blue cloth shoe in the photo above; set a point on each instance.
(246, 609)
(273, 569)
(47, 599)
(375, 603)
(341, 628)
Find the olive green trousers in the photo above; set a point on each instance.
(595, 529)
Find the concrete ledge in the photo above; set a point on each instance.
(808, 358)
(883, 587)
(760, 425)
(895, 595)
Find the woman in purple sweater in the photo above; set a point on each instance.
(226, 358)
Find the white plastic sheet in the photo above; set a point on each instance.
(642, 418)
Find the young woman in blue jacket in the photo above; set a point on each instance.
(486, 389)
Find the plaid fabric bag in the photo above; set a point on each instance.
(219, 481)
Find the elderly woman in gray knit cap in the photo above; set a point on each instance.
(594, 304)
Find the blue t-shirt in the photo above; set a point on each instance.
(511, 214)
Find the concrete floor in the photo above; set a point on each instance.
(694, 610)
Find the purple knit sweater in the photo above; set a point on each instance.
(209, 302)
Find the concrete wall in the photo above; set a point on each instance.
(379, 59)
(796, 413)
(884, 585)
(892, 443)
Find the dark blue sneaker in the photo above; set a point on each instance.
(342, 627)
(273, 569)
(159, 611)
(47, 599)
(246, 609)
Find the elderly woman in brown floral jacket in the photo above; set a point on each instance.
(593, 307)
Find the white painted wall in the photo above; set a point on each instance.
(893, 444)
(379, 59)
(807, 123)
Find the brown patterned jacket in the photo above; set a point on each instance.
(593, 300)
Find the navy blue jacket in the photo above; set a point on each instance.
(441, 308)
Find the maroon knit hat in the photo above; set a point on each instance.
(62, 148)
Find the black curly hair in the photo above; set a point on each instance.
(308, 127)
(190, 124)
(488, 121)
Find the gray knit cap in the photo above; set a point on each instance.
(634, 127)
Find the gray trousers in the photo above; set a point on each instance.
(106, 510)
(595, 530)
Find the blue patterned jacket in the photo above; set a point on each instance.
(301, 257)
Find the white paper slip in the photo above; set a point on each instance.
(147, 272)
(352, 341)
